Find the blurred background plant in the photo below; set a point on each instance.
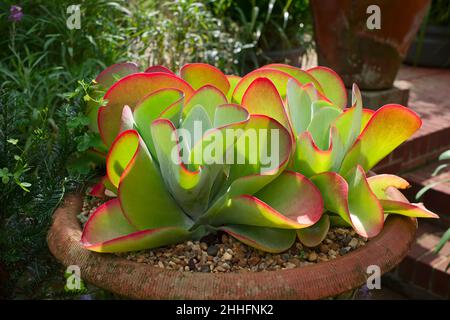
(444, 157)
(269, 30)
(46, 70)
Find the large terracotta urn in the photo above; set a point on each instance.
(365, 41)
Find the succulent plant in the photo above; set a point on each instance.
(295, 162)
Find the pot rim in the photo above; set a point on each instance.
(141, 281)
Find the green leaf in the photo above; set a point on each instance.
(445, 155)
(201, 74)
(277, 77)
(320, 126)
(315, 234)
(266, 239)
(207, 97)
(12, 141)
(349, 123)
(272, 208)
(262, 97)
(443, 241)
(130, 91)
(379, 183)
(191, 189)
(366, 213)
(332, 85)
(352, 200)
(107, 230)
(407, 209)
(300, 75)
(389, 126)
(166, 103)
(143, 196)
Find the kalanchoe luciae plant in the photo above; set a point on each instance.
(323, 153)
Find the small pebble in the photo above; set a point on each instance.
(212, 250)
(353, 243)
(312, 256)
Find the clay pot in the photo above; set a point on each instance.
(369, 58)
(137, 280)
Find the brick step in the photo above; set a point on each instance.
(422, 149)
(437, 199)
(423, 273)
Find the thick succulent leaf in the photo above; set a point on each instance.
(165, 103)
(194, 126)
(103, 81)
(279, 79)
(201, 74)
(227, 114)
(353, 201)
(129, 91)
(145, 201)
(379, 183)
(319, 128)
(366, 115)
(309, 159)
(334, 190)
(389, 126)
(191, 189)
(300, 75)
(212, 149)
(120, 155)
(407, 209)
(349, 122)
(107, 230)
(332, 85)
(272, 208)
(262, 97)
(294, 196)
(337, 221)
(207, 97)
(315, 234)
(299, 106)
(127, 120)
(114, 73)
(153, 69)
(265, 239)
(366, 213)
(263, 147)
(233, 80)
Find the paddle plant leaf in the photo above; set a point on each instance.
(265, 239)
(389, 126)
(107, 230)
(303, 77)
(332, 85)
(201, 74)
(315, 234)
(271, 208)
(379, 184)
(278, 78)
(129, 91)
(262, 97)
(207, 97)
(140, 186)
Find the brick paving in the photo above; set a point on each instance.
(423, 273)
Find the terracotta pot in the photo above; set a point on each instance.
(141, 281)
(369, 58)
